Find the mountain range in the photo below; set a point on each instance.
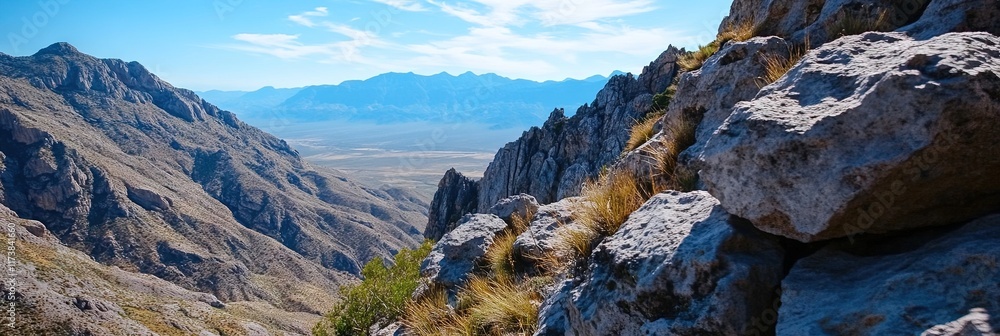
(497, 101)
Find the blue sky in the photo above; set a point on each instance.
(248, 44)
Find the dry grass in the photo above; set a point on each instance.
(857, 22)
(611, 199)
(500, 256)
(739, 32)
(695, 59)
(429, 315)
(502, 307)
(679, 134)
(643, 130)
(776, 66)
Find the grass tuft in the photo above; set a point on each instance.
(643, 130)
(502, 306)
(776, 66)
(694, 60)
(738, 33)
(854, 22)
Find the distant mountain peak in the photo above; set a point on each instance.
(59, 48)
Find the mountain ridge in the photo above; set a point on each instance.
(150, 178)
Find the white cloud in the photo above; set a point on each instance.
(406, 5)
(304, 18)
(502, 13)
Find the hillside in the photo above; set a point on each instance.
(148, 178)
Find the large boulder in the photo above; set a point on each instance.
(943, 16)
(540, 237)
(820, 20)
(732, 75)
(903, 288)
(454, 258)
(680, 265)
(517, 205)
(868, 134)
(456, 196)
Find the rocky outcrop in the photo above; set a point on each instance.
(680, 265)
(454, 258)
(456, 196)
(551, 162)
(150, 178)
(517, 205)
(899, 286)
(868, 134)
(821, 20)
(540, 237)
(708, 95)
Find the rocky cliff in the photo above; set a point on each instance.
(552, 161)
(845, 155)
(137, 174)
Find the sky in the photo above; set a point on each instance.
(249, 44)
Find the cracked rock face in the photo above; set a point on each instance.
(868, 134)
(680, 265)
(458, 253)
(902, 286)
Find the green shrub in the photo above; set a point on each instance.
(380, 297)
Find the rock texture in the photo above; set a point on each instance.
(150, 178)
(540, 236)
(454, 258)
(62, 291)
(732, 75)
(517, 205)
(901, 286)
(680, 265)
(456, 196)
(818, 19)
(551, 162)
(870, 133)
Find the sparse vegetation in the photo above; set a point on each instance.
(618, 192)
(643, 130)
(853, 22)
(776, 65)
(499, 302)
(381, 296)
(739, 32)
(695, 59)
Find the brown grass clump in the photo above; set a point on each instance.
(739, 32)
(502, 307)
(776, 66)
(429, 315)
(694, 60)
(860, 21)
(643, 130)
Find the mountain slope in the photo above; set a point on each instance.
(150, 178)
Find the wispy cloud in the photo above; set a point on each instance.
(406, 5)
(520, 38)
(304, 18)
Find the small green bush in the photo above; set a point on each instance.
(382, 295)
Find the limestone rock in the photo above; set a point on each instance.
(456, 196)
(680, 265)
(901, 286)
(870, 133)
(540, 236)
(943, 16)
(522, 205)
(454, 258)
